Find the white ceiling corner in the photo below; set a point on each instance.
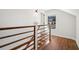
(74, 12)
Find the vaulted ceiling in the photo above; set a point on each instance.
(74, 12)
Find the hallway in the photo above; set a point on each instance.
(60, 43)
(30, 29)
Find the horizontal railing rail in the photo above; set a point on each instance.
(35, 38)
(43, 37)
(13, 35)
(8, 28)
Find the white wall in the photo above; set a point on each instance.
(76, 13)
(65, 24)
(77, 30)
(18, 17)
(77, 26)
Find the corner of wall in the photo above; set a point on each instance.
(73, 38)
(77, 41)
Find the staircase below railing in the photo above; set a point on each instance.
(24, 37)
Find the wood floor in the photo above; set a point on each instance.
(60, 43)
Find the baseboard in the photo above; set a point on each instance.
(77, 40)
(65, 36)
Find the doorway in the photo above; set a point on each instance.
(42, 18)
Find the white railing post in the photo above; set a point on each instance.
(35, 37)
(50, 32)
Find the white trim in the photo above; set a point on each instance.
(77, 41)
(36, 43)
(65, 36)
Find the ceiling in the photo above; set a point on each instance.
(74, 12)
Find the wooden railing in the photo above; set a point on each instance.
(43, 35)
(35, 39)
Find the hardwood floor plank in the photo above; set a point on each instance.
(61, 43)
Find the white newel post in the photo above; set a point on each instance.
(36, 41)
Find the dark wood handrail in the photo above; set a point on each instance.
(43, 25)
(18, 27)
(8, 28)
